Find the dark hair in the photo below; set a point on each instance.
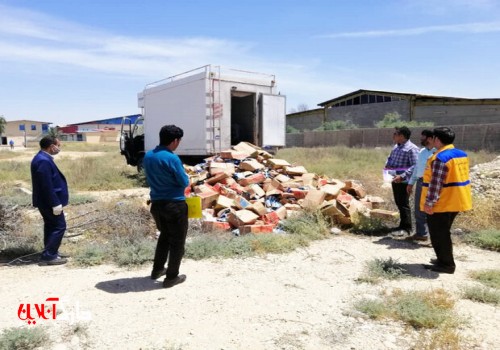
(46, 141)
(403, 130)
(169, 133)
(445, 135)
(427, 133)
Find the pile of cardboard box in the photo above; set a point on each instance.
(246, 188)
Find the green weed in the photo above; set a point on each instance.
(490, 278)
(482, 295)
(378, 269)
(486, 239)
(24, 338)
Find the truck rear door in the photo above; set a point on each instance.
(272, 119)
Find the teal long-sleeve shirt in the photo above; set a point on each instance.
(165, 175)
(418, 171)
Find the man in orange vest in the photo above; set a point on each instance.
(446, 191)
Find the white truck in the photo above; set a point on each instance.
(215, 107)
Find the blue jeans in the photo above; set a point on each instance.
(420, 216)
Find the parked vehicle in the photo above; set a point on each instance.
(215, 107)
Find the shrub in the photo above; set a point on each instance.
(487, 239)
(482, 295)
(428, 309)
(490, 278)
(337, 125)
(379, 269)
(292, 130)
(24, 338)
(392, 120)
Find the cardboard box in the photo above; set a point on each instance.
(331, 190)
(223, 202)
(216, 168)
(295, 170)
(309, 179)
(271, 218)
(248, 148)
(250, 165)
(314, 199)
(277, 163)
(241, 203)
(383, 214)
(208, 199)
(255, 191)
(258, 208)
(242, 217)
(281, 212)
(216, 178)
(215, 226)
(231, 154)
(253, 179)
(256, 229)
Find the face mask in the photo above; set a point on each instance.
(55, 150)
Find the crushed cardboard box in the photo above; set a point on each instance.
(245, 188)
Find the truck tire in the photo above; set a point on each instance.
(140, 160)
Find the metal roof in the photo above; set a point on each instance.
(403, 95)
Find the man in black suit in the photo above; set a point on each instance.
(50, 195)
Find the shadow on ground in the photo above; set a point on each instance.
(398, 243)
(129, 285)
(418, 270)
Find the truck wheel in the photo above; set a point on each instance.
(139, 163)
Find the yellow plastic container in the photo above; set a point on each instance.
(194, 207)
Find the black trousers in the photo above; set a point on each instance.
(54, 227)
(439, 230)
(172, 221)
(402, 201)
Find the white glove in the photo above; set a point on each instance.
(57, 210)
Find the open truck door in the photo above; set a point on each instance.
(272, 114)
(132, 141)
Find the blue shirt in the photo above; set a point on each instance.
(165, 175)
(418, 171)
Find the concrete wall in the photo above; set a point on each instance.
(365, 115)
(458, 114)
(307, 120)
(469, 137)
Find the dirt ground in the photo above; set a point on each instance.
(302, 300)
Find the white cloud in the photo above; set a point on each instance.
(471, 28)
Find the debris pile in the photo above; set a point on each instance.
(485, 179)
(247, 190)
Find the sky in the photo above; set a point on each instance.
(71, 61)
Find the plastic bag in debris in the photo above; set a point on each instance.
(273, 202)
(236, 232)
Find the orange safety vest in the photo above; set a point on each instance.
(455, 194)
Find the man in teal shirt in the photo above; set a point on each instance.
(426, 140)
(167, 180)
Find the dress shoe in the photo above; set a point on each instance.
(443, 269)
(56, 261)
(417, 238)
(158, 273)
(168, 283)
